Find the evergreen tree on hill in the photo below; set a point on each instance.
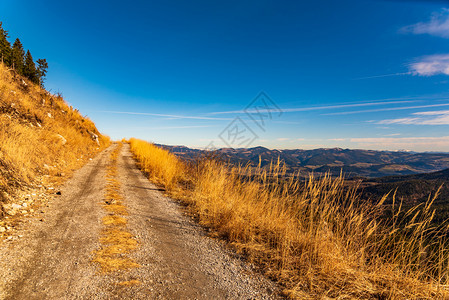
(5, 46)
(18, 57)
(30, 68)
(42, 67)
(23, 63)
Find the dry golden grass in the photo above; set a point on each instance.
(116, 241)
(40, 134)
(316, 237)
(114, 220)
(129, 282)
(110, 261)
(153, 160)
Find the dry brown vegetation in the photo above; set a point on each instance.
(315, 237)
(116, 241)
(40, 135)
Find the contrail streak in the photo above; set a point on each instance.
(384, 75)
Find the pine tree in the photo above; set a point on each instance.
(22, 63)
(29, 69)
(5, 47)
(18, 57)
(42, 67)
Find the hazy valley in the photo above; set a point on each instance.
(352, 162)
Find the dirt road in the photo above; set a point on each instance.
(177, 260)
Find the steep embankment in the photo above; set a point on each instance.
(42, 139)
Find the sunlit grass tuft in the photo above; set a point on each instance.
(114, 220)
(155, 162)
(129, 282)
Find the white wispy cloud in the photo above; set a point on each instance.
(438, 25)
(383, 75)
(412, 143)
(165, 115)
(431, 65)
(175, 127)
(348, 105)
(385, 109)
(288, 122)
(440, 117)
(313, 146)
(405, 121)
(323, 107)
(432, 113)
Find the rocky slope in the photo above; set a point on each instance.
(42, 140)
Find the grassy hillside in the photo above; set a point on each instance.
(317, 237)
(39, 135)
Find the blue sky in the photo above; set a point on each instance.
(351, 74)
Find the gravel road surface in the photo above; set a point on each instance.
(52, 257)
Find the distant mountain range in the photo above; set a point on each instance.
(412, 175)
(354, 163)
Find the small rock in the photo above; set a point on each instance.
(15, 206)
(58, 193)
(63, 139)
(2, 229)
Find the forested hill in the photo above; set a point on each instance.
(15, 57)
(412, 190)
(353, 162)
